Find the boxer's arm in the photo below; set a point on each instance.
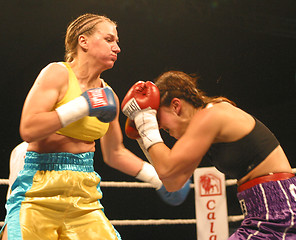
(114, 152)
(175, 166)
(117, 156)
(148, 172)
(120, 158)
(38, 120)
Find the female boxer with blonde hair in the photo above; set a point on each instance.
(235, 142)
(57, 194)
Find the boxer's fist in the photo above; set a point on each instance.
(131, 130)
(142, 95)
(149, 175)
(97, 102)
(141, 104)
(101, 103)
(174, 198)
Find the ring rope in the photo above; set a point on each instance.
(128, 184)
(145, 222)
(228, 182)
(153, 222)
(4, 182)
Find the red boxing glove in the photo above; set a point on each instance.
(131, 130)
(142, 95)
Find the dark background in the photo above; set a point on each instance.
(243, 49)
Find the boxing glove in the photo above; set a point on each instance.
(140, 104)
(142, 95)
(131, 130)
(97, 102)
(149, 175)
(174, 198)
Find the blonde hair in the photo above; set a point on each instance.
(84, 24)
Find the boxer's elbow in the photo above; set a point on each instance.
(31, 134)
(173, 181)
(26, 131)
(26, 135)
(165, 172)
(173, 185)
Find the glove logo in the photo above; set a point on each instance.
(97, 98)
(131, 107)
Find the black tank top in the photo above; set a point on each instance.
(236, 159)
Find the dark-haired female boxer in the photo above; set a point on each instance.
(234, 141)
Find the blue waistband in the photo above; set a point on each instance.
(59, 161)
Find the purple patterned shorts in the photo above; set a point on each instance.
(270, 211)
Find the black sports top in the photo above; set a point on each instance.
(236, 159)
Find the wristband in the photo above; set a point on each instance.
(73, 110)
(149, 175)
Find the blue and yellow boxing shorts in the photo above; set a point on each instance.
(57, 197)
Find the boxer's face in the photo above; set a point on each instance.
(102, 45)
(165, 120)
(170, 119)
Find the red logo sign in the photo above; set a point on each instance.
(97, 98)
(210, 185)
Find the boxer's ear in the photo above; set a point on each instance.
(176, 105)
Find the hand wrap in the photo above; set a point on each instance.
(147, 126)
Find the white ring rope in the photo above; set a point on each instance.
(228, 182)
(153, 222)
(4, 182)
